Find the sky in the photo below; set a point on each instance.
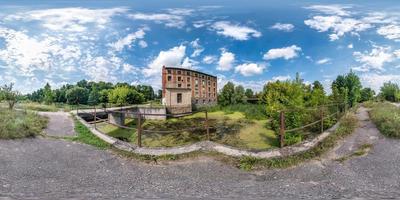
(246, 42)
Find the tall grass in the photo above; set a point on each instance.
(251, 111)
(387, 119)
(19, 124)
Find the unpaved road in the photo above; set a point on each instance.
(57, 169)
(60, 124)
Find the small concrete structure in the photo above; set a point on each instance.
(117, 118)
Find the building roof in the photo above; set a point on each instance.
(179, 68)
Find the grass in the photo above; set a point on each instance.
(37, 107)
(231, 129)
(250, 111)
(387, 119)
(19, 124)
(362, 150)
(85, 136)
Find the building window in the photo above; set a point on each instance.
(169, 78)
(179, 85)
(179, 78)
(188, 79)
(208, 78)
(195, 75)
(188, 73)
(169, 71)
(203, 82)
(214, 84)
(179, 72)
(179, 98)
(188, 85)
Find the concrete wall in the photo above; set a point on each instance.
(117, 118)
(172, 104)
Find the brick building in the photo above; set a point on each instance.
(182, 88)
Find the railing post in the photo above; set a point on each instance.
(95, 118)
(321, 112)
(139, 130)
(207, 127)
(282, 129)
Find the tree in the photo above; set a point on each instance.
(347, 89)
(389, 91)
(94, 96)
(239, 94)
(147, 91)
(249, 93)
(77, 95)
(227, 95)
(125, 95)
(8, 94)
(317, 95)
(367, 94)
(103, 97)
(48, 94)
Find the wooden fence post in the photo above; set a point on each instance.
(282, 129)
(139, 130)
(95, 118)
(322, 119)
(207, 127)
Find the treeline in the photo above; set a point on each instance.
(390, 92)
(93, 93)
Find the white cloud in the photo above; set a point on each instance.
(202, 23)
(170, 58)
(189, 63)
(170, 20)
(127, 68)
(391, 32)
(335, 9)
(280, 78)
(250, 69)
(226, 61)
(142, 44)
(337, 25)
(209, 59)
(235, 31)
(285, 52)
(197, 47)
(129, 39)
(69, 19)
(180, 11)
(100, 69)
(350, 46)
(376, 59)
(375, 81)
(283, 27)
(323, 61)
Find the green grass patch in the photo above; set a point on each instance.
(85, 136)
(387, 119)
(19, 124)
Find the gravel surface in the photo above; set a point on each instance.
(60, 124)
(56, 169)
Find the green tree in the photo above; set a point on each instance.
(239, 94)
(367, 94)
(317, 95)
(249, 93)
(227, 95)
(9, 95)
(125, 95)
(77, 95)
(389, 91)
(147, 91)
(103, 97)
(354, 86)
(94, 96)
(48, 94)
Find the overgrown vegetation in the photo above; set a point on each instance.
(387, 118)
(85, 136)
(19, 124)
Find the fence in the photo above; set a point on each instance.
(340, 108)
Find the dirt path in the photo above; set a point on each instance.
(60, 124)
(56, 169)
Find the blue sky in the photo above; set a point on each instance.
(247, 42)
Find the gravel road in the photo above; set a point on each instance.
(60, 124)
(55, 169)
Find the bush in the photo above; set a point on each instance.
(387, 119)
(19, 124)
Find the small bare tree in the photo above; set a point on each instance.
(9, 95)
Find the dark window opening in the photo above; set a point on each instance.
(169, 78)
(169, 71)
(179, 98)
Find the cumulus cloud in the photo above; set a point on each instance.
(285, 52)
(235, 31)
(69, 19)
(375, 81)
(250, 69)
(391, 32)
(334, 9)
(142, 44)
(129, 39)
(323, 61)
(337, 25)
(350, 46)
(283, 27)
(376, 59)
(170, 58)
(226, 61)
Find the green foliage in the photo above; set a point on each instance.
(367, 94)
(390, 91)
(251, 111)
(9, 95)
(317, 96)
(239, 94)
(249, 93)
(227, 95)
(125, 95)
(48, 94)
(94, 96)
(347, 89)
(387, 119)
(293, 138)
(147, 92)
(19, 124)
(77, 95)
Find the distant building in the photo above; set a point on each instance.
(183, 88)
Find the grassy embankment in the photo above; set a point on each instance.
(386, 116)
(233, 128)
(19, 124)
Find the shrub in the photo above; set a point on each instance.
(387, 119)
(19, 124)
